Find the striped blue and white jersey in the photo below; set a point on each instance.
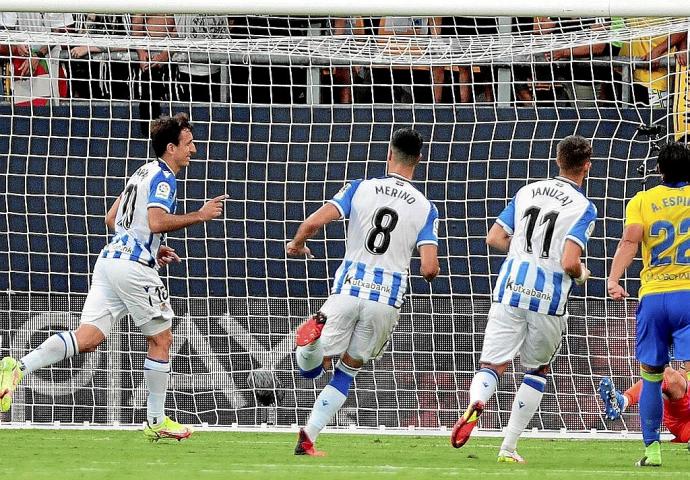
(540, 218)
(388, 217)
(152, 185)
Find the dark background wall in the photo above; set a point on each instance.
(60, 169)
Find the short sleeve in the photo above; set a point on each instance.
(507, 217)
(343, 199)
(583, 228)
(633, 211)
(163, 192)
(428, 235)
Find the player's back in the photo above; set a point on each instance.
(541, 217)
(388, 217)
(152, 185)
(664, 213)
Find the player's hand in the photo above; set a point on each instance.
(166, 256)
(213, 208)
(616, 291)
(295, 251)
(584, 276)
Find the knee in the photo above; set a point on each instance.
(351, 361)
(541, 371)
(88, 338)
(499, 369)
(161, 341)
(651, 369)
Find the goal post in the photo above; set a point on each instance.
(583, 8)
(285, 110)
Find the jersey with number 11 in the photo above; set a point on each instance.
(388, 218)
(540, 218)
(664, 214)
(152, 185)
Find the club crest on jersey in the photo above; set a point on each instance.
(163, 190)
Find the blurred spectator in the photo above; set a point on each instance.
(7, 20)
(583, 71)
(651, 80)
(344, 78)
(36, 75)
(408, 84)
(471, 77)
(200, 81)
(155, 69)
(109, 78)
(277, 83)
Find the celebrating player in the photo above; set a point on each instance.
(125, 278)
(544, 230)
(388, 217)
(658, 218)
(676, 396)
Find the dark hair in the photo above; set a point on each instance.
(406, 145)
(165, 130)
(573, 152)
(673, 163)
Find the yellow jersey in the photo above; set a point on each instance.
(664, 213)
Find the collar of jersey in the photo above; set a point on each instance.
(399, 177)
(567, 180)
(675, 185)
(164, 165)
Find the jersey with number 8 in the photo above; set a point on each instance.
(388, 217)
(664, 213)
(540, 218)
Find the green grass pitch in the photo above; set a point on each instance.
(97, 454)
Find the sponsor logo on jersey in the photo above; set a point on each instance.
(350, 280)
(163, 191)
(531, 292)
(119, 247)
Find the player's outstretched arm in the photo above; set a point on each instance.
(161, 221)
(429, 267)
(324, 215)
(625, 254)
(112, 214)
(498, 238)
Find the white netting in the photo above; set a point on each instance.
(264, 94)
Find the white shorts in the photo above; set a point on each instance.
(119, 287)
(536, 336)
(358, 326)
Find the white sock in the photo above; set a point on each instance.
(327, 404)
(483, 385)
(156, 374)
(309, 356)
(527, 400)
(58, 347)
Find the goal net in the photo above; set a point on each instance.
(285, 109)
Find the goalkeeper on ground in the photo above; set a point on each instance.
(674, 388)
